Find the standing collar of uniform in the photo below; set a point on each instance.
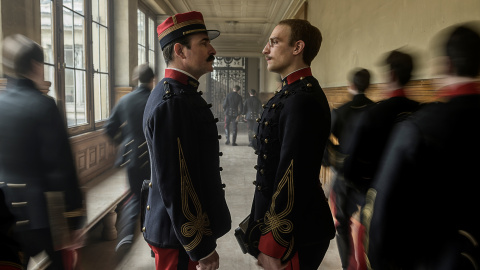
(296, 75)
(459, 89)
(397, 93)
(181, 76)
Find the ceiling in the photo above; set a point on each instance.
(245, 25)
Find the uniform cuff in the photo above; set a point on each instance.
(208, 255)
(270, 247)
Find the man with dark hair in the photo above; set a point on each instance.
(252, 109)
(290, 220)
(186, 210)
(35, 155)
(233, 107)
(124, 127)
(421, 212)
(343, 198)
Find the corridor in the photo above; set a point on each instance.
(238, 174)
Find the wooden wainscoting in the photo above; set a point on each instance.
(3, 84)
(94, 154)
(121, 91)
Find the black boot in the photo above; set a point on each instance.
(227, 137)
(343, 244)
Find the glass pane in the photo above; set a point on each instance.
(151, 59)
(78, 6)
(96, 46)
(68, 3)
(103, 49)
(151, 34)
(70, 97)
(141, 55)
(96, 97)
(141, 27)
(95, 16)
(79, 42)
(104, 96)
(50, 76)
(80, 97)
(68, 36)
(47, 30)
(102, 11)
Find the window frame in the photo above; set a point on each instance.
(148, 15)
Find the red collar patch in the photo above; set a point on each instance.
(180, 77)
(297, 75)
(461, 89)
(397, 93)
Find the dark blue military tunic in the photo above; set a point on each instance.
(186, 207)
(289, 202)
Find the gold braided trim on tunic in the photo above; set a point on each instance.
(197, 225)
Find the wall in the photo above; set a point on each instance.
(357, 33)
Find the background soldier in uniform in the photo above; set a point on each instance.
(252, 109)
(422, 210)
(233, 107)
(125, 128)
(186, 209)
(35, 155)
(290, 209)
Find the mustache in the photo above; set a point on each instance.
(211, 58)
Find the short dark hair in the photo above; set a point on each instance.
(311, 36)
(236, 87)
(168, 51)
(401, 64)
(253, 92)
(19, 52)
(361, 79)
(143, 73)
(463, 49)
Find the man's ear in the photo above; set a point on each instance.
(298, 47)
(178, 48)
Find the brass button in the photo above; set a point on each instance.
(254, 183)
(276, 92)
(263, 106)
(286, 92)
(148, 207)
(220, 154)
(167, 92)
(254, 136)
(264, 156)
(273, 105)
(259, 188)
(255, 167)
(150, 184)
(144, 229)
(309, 85)
(301, 78)
(165, 82)
(262, 171)
(266, 123)
(266, 140)
(258, 120)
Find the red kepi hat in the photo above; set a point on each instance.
(183, 24)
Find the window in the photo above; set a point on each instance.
(75, 38)
(146, 37)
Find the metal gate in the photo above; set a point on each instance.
(227, 72)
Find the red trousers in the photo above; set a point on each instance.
(172, 259)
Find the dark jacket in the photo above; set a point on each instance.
(252, 108)
(186, 204)
(233, 104)
(125, 127)
(426, 191)
(35, 157)
(289, 201)
(370, 135)
(9, 247)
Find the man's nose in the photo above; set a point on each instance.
(266, 49)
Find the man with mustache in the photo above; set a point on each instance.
(186, 210)
(290, 214)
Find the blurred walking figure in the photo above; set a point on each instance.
(125, 128)
(344, 198)
(233, 107)
(422, 210)
(35, 155)
(252, 110)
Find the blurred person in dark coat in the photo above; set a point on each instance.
(422, 211)
(252, 109)
(233, 107)
(125, 128)
(35, 154)
(186, 210)
(290, 217)
(344, 198)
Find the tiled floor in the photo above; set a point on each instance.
(238, 174)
